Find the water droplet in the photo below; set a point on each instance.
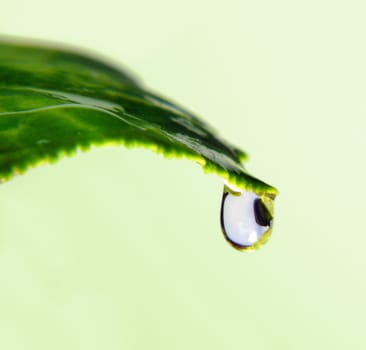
(246, 218)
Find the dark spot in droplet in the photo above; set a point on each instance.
(262, 215)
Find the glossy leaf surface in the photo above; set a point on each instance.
(54, 102)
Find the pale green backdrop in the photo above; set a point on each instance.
(122, 249)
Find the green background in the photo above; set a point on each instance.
(122, 249)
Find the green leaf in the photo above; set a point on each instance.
(55, 102)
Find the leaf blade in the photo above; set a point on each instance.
(53, 102)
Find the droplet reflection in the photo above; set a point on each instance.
(246, 218)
